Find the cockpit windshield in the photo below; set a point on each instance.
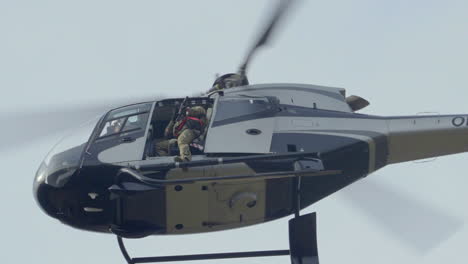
(64, 158)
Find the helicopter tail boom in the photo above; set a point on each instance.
(422, 137)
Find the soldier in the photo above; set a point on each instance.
(183, 130)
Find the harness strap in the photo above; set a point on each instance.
(178, 129)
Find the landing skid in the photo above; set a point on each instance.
(302, 240)
(199, 256)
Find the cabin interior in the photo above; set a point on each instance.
(163, 113)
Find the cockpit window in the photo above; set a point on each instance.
(112, 127)
(129, 110)
(129, 118)
(242, 106)
(135, 122)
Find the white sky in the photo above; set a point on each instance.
(403, 56)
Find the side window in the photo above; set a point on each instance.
(230, 108)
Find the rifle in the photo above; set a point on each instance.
(180, 113)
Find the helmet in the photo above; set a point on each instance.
(228, 81)
(196, 111)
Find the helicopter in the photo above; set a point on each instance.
(269, 151)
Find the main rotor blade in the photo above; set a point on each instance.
(283, 5)
(414, 222)
(20, 129)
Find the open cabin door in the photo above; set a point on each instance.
(241, 124)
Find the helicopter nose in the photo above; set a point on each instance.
(44, 196)
(53, 184)
(48, 193)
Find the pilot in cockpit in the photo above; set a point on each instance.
(116, 125)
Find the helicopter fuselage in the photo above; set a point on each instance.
(74, 183)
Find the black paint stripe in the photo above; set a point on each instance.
(380, 140)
